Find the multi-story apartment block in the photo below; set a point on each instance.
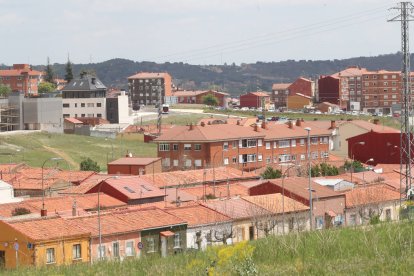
(350, 85)
(242, 147)
(84, 97)
(145, 88)
(280, 91)
(21, 78)
(381, 90)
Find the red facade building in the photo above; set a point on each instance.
(21, 78)
(255, 100)
(328, 87)
(196, 97)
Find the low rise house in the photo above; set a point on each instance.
(255, 100)
(135, 165)
(298, 101)
(197, 97)
(372, 203)
(205, 226)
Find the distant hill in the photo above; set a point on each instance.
(235, 79)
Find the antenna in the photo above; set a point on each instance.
(406, 143)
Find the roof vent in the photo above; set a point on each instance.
(191, 126)
(290, 124)
(298, 122)
(93, 80)
(203, 124)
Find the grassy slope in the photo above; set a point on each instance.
(73, 148)
(386, 249)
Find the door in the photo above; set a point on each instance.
(2, 259)
(163, 246)
(251, 233)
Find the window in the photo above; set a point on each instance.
(293, 143)
(275, 159)
(226, 161)
(251, 143)
(197, 147)
(82, 115)
(302, 142)
(234, 160)
(188, 163)
(268, 160)
(394, 96)
(394, 76)
(388, 214)
(177, 240)
(314, 155)
(197, 163)
(150, 245)
(274, 144)
(166, 162)
(385, 97)
(234, 144)
(82, 104)
(259, 142)
(302, 157)
(267, 145)
(175, 147)
(284, 158)
(284, 144)
(325, 140)
(164, 147)
(115, 249)
(65, 105)
(50, 255)
(319, 222)
(187, 146)
(259, 157)
(129, 248)
(175, 163)
(66, 115)
(98, 104)
(99, 115)
(90, 105)
(225, 145)
(314, 141)
(90, 114)
(76, 252)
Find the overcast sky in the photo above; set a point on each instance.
(195, 31)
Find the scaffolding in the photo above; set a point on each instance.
(9, 117)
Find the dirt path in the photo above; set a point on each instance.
(62, 154)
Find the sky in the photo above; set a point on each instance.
(195, 31)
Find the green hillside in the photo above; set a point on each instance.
(385, 249)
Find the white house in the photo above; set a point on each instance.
(7, 193)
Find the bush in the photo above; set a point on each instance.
(89, 165)
(271, 173)
(18, 211)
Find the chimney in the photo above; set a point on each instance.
(191, 126)
(203, 124)
(74, 208)
(302, 120)
(333, 124)
(43, 212)
(93, 80)
(264, 125)
(298, 122)
(238, 122)
(290, 124)
(256, 128)
(209, 123)
(376, 121)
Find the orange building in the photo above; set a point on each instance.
(21, 78)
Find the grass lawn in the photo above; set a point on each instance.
(384, 249)
(34, 148)
(387, 121)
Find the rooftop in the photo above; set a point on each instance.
(235, 208)
(86, 83)
(198, 215)
(280, 86)
(369, 195)
(148, 75)
(274, 203)
(185, 93)
(137, 161)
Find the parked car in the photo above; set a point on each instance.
(396, 115)
(260, 117)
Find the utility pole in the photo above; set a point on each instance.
(406, 143)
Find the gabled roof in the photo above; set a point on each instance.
(218, 191)
(259, 94)
(370, 195)
(87, 83)
(353, 71)
(135, 187)
(73, 121)
(372, 127)
(221, 132)
(185, 93)
(282, 131)
(275, 203)
(137, 161)
(198, 215)
(148, 75)
(301, 95)
(280, 86)
(235, 208)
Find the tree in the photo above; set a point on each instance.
(46, 87)
(69, 72)
(86, 72)
(4, 90)
(356, 165)
(89, 165)
(18, 211)
(210, 100)
(271, 173)
(50, 75)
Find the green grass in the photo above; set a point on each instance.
(36, 147)
(387, 121)
(181, 119)
(385, 249)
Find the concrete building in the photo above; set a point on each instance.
(280, 91)
(145, 88)
(255, 100)
(43, 114)
(21, 78)
(84, 97)
(117, 110)
(7, 193)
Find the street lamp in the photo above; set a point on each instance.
(366, 162)
(99, 213)
(352, 156)
(43, 210)
(283, 193)
(308, 129)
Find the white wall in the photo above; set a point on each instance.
(191, 235)
(123, 109)
(72, 110)
(392, 205)
(7, 193)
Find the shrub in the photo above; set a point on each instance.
(271, 173)
(18, 211)
(89, 165)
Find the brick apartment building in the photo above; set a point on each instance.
(280, 91)
(145, 88)
(196, 97)
(328, 89)
(21, 78)
(242, 147)
(255, 100)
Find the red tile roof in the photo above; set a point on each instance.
(138, 161)
(369, 195)
(373, 127)
(198, 215)
(235, 208)
(177, 178)
(260, 94)
(134, 187)
(73, 121)
(275, 203)
(280, 86)
(281, 131)
(18, 73)
(220, 191)
(184, 93)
